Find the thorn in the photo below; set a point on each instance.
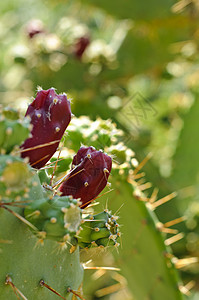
(35, 213)
(69, 290)
(15, 204)
(141, 165)
(169, 230)
(72, 249)
(161, 228)
(67, 176)
(15, 289)
(101, 268)
(38, 146)
(175, 221)
(174, 239)
(144, 186)
(163, 200)
(139, 196)
(55, 167)
(118, 209)
(20, 218)
(95, 198)
(39, 88)
(153, 197)
(97, 274)
(36, 162)
(186, 288)
(138, 176)
(109, 290)
(106, 207)
(42, 283)
(184, 262)
(51, 163)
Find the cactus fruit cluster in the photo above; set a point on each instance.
(45, 223)
(41, 226)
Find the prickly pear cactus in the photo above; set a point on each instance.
(43, 221)
(41, 224)
(145, 257)
(39, 256)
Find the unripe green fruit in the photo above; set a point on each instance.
(99, 230)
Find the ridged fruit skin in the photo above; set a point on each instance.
(50, 115)
(101, 229)
(88, 176)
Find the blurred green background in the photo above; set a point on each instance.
(136, 62)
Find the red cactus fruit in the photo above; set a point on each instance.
(50, 115)
(81, 45)
(89, 176)
(81, 154)
(34, 27)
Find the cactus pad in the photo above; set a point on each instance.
(18, 181)
(57, 219)
(13, 131)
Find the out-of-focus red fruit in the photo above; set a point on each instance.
(34, 27)
(50, 115)
(89, 175)
(80, 46)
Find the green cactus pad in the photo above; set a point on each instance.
(13, 130)
(26, 261)
(18, 181)
(57, 219)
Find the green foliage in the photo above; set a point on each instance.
(185, 169)
(136, 10)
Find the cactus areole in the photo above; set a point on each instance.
(50, 115)
(88, 176)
